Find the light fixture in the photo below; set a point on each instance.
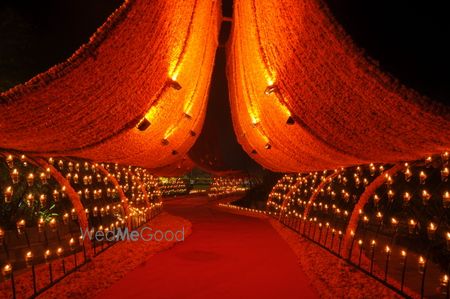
(143, 124)
(267, 146)
(187, 115)
(290, 121)
(165, 141)
(174, 152)
(271, 89)
(174, 84)
(192, 133)
(254, 152)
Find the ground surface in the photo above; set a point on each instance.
(226, 256)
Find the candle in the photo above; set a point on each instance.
(411, 226)
(408, 174)
(75, 178)
(20, 225)
(30, 179)
(2, 235)
(41, 224)
(43, 178)
(66, 218)
(376, 199)
(444, 284)
(73, 214)
(406, 198)
(30, 200)
(43, 199)
(10, 161)
(425, 197)
(59, 251)
(431, 230)
(72, 243)
(47, 255)
(422, 177)
(444, 174)
(7, 270)
(15, 176)
(446, 199)
(394, 223)
(421, 264)
(53, 224)
(55, 195)
(29, 259)
(447, 237)
(390, 194)
(8, 194)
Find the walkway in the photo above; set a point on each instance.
(227, 256)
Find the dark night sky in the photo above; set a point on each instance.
(408, 39)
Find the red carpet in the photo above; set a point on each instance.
(227, 256)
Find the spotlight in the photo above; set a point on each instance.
(267, 146)
(188, 116)
(143, 124)
(165, 141)
(271, 89)
(254, 152)
(193, 134)
(290, 121)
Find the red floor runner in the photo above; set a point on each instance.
(227, 256)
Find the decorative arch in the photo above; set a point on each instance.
(364, 198)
